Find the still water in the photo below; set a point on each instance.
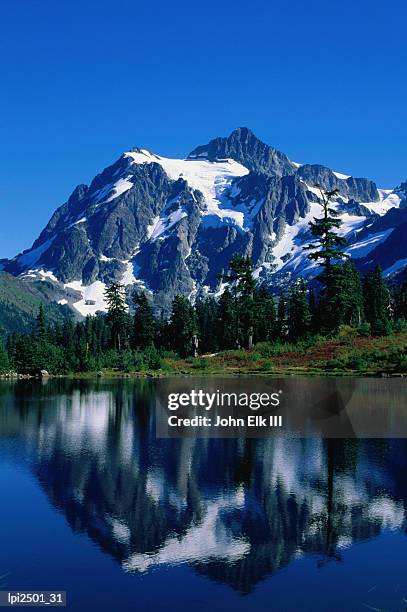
(94, 504)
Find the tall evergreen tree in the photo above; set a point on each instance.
(281, 321)
(376, 302)
(207, 312)
(327, 250)
(264, 315)
(400, 300)
(349, 294)
(227, 321)
(116, 304)
(298, 314)
(243, 287)
(182, 326)
(144, 324)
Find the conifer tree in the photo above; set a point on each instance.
(182, 326)
(281, 322)
(264, 315)
(227, 320)
(243, 287)
(298, 314)
(327, 250)
(400, 300)
(349, 294)
(144, 324)
(376, 302)
(116, 312)
(207, 312)
(313, 311)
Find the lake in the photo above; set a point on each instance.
(93, 503)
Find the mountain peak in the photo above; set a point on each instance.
(243, 146)
(242, 132)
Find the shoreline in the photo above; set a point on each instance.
(278, 373)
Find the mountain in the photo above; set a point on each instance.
(170, 226)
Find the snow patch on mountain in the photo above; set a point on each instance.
(93, 298)
(362, 248)
(341, 176)
(112, 190)
(388, 199)
(396, 267)
(289, 252)
(29, 259)
(166, 222)
(212, 179)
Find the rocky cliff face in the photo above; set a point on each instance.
(171, 226)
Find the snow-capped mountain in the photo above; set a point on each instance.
(171, 226)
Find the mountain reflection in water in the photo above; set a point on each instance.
(237, 510)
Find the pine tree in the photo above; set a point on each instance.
(243, 287)
(327, 250)
(264, 315)
(298, 314)
(182, 326)
(400, 300)
(376, 302)
(313, 311)
(281, 321)
(349, 295)
(116, 304)
(144, 324)
(227, 321)
(207, 313)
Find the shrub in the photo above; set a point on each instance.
(364, 329)
(400, 325)
(347, 334)
(152, 358)
(200, 363)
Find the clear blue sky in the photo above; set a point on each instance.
(84, 80)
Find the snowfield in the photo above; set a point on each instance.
(212, 179)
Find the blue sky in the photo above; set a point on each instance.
(84, 80)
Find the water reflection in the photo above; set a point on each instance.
(237, 510)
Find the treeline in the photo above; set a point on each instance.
(244, 315)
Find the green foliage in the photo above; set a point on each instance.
(377, 302)
(364, 329)
(19, 304)
(298, 313)
(347, 334)
(243, 286)
(182, 326)
(207, 314)
(4, 360)
(325, 230)
(399, 325)
(228, 322)
(116, 311)
(144, 323)
(264, 315)
(141, 342)
(152, 358)
(201, 363)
